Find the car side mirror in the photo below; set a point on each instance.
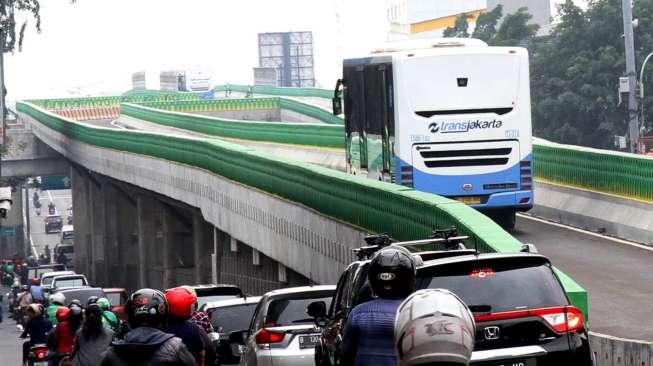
(317, 310)
(238, 337)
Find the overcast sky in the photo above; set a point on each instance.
(93, 46)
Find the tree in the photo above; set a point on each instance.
(486, 24)
(515, 29)
(10, 10)
(460, 28)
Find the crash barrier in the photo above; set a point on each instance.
(613, 351)
(604, 171)
(375, 206)
(275, 90)
(113, 101)
(92, 113)
(212, 105)
(313, 134)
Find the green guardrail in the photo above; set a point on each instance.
(114, 101)
(318, 113)
(312, 134)
(375, 206)
(276, 90)
(622, 174)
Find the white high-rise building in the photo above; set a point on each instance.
(429, 18)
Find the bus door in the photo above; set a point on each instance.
(354, 102)
(379, 122)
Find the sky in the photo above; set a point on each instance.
(93, 46)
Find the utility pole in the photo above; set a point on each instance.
(3, 38)
(631, 73)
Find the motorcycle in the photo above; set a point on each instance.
(38, 211)
(38, 355)
(51, 210)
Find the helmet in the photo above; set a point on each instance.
(36, 282)
(36, 309)
(392, 273)
(147, 308)
(75, 308)
(62, 314)
(92, 300)
(434, 327)
(104, 303)
(180, 301)
(58, 298)
(24, 288)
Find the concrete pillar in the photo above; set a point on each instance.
(125, 271)
(146, 213)
(82, 210)
(202, 248)
(97, 202)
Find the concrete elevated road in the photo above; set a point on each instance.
(616, 274)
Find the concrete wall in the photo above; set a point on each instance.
(611, 215)
(612, 351)
(269, 115)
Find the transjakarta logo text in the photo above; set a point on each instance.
(463, 126)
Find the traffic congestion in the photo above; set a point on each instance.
(432, 301)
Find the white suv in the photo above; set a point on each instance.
(281, 332)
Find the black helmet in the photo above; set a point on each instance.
(147, 308)
(392, 273)
(92, 300)
(75, 308)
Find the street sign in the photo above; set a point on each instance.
(54, 182)
(8, 231)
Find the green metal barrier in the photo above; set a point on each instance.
(375, 206)
(312, 134)
(276, 90)
(623, 174)
(114, 101)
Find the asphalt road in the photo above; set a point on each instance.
(10, 345)
(62, 200)
(617, 276)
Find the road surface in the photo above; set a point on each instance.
(62, 200)
(10, 345)
(617, 276)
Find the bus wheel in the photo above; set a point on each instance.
(507, 219)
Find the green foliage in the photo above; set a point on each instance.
(486, 24)
(513, 30)
(460, 28)
(10, 11)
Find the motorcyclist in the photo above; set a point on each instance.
(434, 327)
(181, 301)
(146, 343)
(51, 208)
(109, 319)
(47, 252)
(63, 337)
(57, 300)
(24, 298)
(368, 335)
(31, 261)
(37, 291)
(76, 316)
(36, 328)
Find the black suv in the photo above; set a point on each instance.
(523, 316)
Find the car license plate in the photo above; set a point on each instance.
(512, 363)
(44, 363)
(469, 200)
(308, 341)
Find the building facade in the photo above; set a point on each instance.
(291, 54)
(429, 18)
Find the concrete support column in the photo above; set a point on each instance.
(146, 213)
(81, 208)
(202, 248)
(126, 257)
(97, 202)
(111, 243)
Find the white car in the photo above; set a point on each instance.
(281, 332)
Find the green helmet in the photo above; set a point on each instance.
(104, 303)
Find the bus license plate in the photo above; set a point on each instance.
(469, 200)
(512, 363)
(308, 341)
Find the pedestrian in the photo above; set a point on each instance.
(181, 301)
(36, 328)
(146, 343)
(63, 337)
(92, 339)
(369, 332)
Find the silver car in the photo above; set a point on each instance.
(281, 332)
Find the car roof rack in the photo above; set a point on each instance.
(448, 237)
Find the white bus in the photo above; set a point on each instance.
(450, 117)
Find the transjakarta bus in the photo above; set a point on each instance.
(451, 117)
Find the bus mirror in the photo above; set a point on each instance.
(337, 98)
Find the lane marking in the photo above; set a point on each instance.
(587, 232)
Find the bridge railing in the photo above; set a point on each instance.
(276, 90)
(312, 134)
(374, 206)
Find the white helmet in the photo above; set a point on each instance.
(432, 327)
(58, 298)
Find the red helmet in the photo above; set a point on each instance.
(36, 281)
(62, 314)
(180, 302)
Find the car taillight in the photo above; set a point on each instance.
(560, 319)
(265, 336)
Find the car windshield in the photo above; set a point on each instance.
(292, 311)
(231, 318)
(70, 282)
(47, 281)
(497, 289)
